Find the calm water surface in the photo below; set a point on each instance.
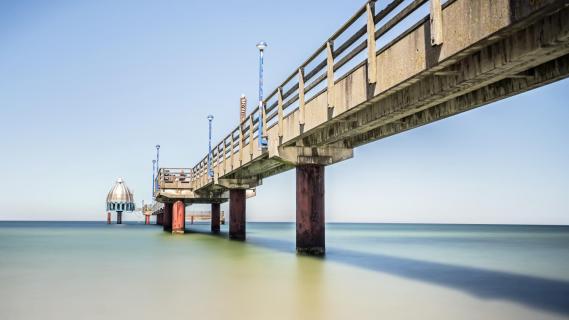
(79, 270)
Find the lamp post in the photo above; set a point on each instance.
(262, 141)
(209, 155)
(153, 177)
(156, 187)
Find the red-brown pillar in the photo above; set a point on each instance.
(178, 217)
(146, 219)
(215, 216)
(109, 217)
(167, 218)
(119, 217)
(237, 214)
(310, 226)
(159, 219)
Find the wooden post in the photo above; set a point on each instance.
(264, 117)
(251, 136)
(280, 111)
(301, 96)
(224, 155)
(436, 23)
(240, 143)
(371, 49)
(232, 150)
(330, 73)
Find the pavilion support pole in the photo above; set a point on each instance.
(146, 219)
(215, 217)
(119, 217)
(178, 217)
(108, 217)
(310, 227)
(237, 214)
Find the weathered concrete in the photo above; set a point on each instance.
(178, 217)
(237, 212)
(215, 217)
(310, 236)
(167, 219)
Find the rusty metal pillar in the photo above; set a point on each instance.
(178, 217)
(167, 218)
(215, 217)
(109, 217)
(310, 238)
(119, 217)
(237, 214)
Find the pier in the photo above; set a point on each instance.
(463, 55)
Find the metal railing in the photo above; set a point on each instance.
(318, 74)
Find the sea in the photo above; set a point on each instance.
(91, 270)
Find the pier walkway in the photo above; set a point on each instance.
(367, 82)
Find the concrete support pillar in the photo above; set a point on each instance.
(215, 217)
(237, 214)
(109, 217)
(167, 217)
(178, 217)
(146, 219)
(310, 226)
(119, 217)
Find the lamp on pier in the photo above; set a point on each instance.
(209, 155)
(262, 139)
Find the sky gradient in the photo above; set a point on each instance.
(87, 88)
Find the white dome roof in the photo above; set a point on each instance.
(120, 193)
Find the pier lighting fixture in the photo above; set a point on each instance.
(156, 187)
(262, 140)
(209, 155)
(153, 177)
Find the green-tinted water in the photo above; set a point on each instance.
(94, 271)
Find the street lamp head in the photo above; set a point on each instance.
(157, 146)
(262, 45)
(210, 117)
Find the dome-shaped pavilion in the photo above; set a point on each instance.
(119, 199)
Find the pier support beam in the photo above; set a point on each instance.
(310, 227)
(215, 217)
(237, 214)
(167, 217)
(178, 217)
(119, 217)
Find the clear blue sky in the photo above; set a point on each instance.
(87, 88)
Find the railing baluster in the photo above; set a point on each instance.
(301, 96)
(240, 143)
(231, 157)
(251, 136)
(371, 50)
(330, 73)
(280, 112)
(436, 23)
